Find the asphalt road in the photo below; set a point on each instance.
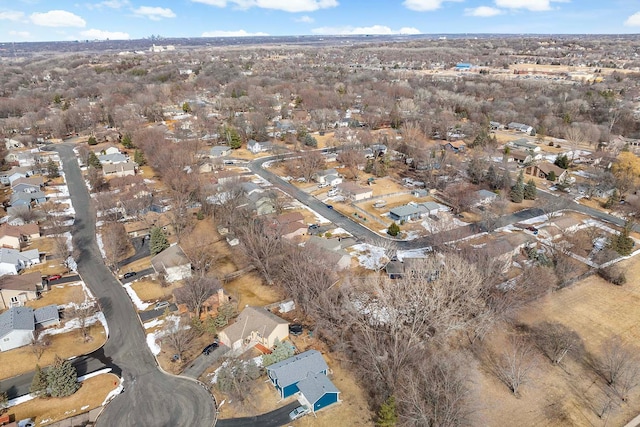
(139, 274)
(276, 418)
(151, 398)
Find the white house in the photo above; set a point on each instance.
(13, 261)
(254, 325)
(257, 147)
(18, 324)
(119, 169)
(173, 263)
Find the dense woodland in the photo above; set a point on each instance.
(417, 344)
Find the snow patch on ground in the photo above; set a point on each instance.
(94, 374)
(319, 218)
(413, 253)
(74, 324)
(153, 323)
(101, 245)
(340, 231)
(60, 191)
(153, 336)
(114, 393)
(140, 305)
(369, 256)
(412, 235)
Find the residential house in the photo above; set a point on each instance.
(257, 147)
(431, 208)
(379, 150)
(219, 151)
(520, 157)
(455, 146)
(13, 261)
(525, 145)
(254, 325)
(25, 199)
(250, 188)
(17, 172)
(26, 158)
(12, 144)
(544, 169)
(16, 290)
(119, 169)
(224, 177)
(263, 203)
(113, 158)
(408, 265)
(332, 250)
(17, 325)
(15, 236)
(521, 127)
(409, 212)
(327, 176)
(420, 192)
(27, 184)
(172, 263)
(354, 192)
(495, 125)
(108, 151)
(305, 373)
(290, 224)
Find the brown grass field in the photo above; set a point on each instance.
(89, 396)
(571, 394)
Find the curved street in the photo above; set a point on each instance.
(151, 397)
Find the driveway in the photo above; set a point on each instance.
(276, 418)
(151, 398)
(139, 274)
(145, 316)
(141, 246)
(203, 361)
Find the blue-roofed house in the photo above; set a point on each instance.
(460, 66)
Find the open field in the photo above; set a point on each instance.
(249, 290)
(151, 290)
(89, 396)
(58, 295)
(571, 394)
(21, 360)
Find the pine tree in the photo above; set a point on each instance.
(517, 191)
(562, 161)
(158, 241)
(281, 351)
(387, 415)
(491, 178)
(621, 242)
(138, 157)
(39, 383)
(62, 378)
(53, 171)
(505, 180)
(126, 141)
(93, 161)
(233, 139)
(92, 140)
(551, 176)
(393, 229)
(530, 190)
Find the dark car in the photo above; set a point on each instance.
(208, 349)
(295, 329)
(129, 274)
(533, 230)
(54, 277)
(329, 206)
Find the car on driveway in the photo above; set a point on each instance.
(208, 349)
(129, 274)
(295, 329)
(53, 277)
(161, 305)
(298, 412)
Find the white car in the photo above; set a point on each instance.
(298, 412)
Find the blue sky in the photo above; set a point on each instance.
(46, 20)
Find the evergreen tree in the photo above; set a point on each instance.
(62, 378)
(612, 200)
(186, 107)
(92, 140)
(475, 170)
(158, 241)
(562, 161)
(232, 137)
(530, 190)
(393, 230)
(281, 351)
(39, 383)
(310, 141)
(621, 242)
(505, 180)
(93, 161)
(387, 414)
(53, 171)
(551, 176)
(517, 191)
(138, 157)
(126, 141)
(492, 178)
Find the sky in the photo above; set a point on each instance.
(51, 20)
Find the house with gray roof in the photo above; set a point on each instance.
(484, 197)
(408, 212)
(13, 261)
(173, 263)
(256, 147)
(18, 324)
(113, 158)
(25, 199)
(525, 145)
(219, 151)
(287, 374)
(317, 392)
(254, 325)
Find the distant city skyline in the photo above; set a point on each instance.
(47, 20)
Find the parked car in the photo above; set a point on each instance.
(298, 412)
(129, 274)
(533, 230)
(295, 329)
(161, 305)
(329, 206)
(208, 349)
(54, 277)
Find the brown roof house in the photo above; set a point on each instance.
(172, 263)
(352, 191)
(254, 325)
(290, 225)
(543, 170)
(15, 236)
(16, 290)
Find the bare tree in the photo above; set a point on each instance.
(115, 241)
(619, 365)
(514, 365)
(352, 160)
(575, 138)
(178, 336)
(195, 291)
(236, 376)
(556, 341)
(39, 343)
(82, 309)
(261, 244)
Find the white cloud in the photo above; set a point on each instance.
(112, 4)
(11, 15)
(305, 18)
(633, 20)
(154, 13)
(532, 5)
(94, 34)
(20, 34)
(482, 11)
(425, 5)
(374, 29)
(293, 6)
(57, 18)
(238, 33)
